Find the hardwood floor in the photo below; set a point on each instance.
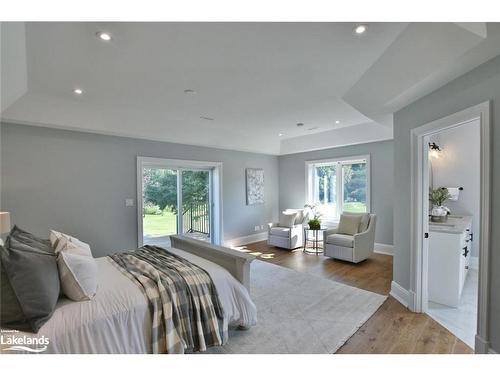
(375, 274)
(393, 328)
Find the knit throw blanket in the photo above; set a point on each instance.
(186, 311)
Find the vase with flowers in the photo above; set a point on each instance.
(315, 222)
(437, 197)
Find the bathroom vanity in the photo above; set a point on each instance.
(450, 246)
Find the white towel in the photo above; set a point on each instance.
(454, 192)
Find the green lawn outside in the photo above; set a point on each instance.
(163, 225)
(160, 225)
(354, 207)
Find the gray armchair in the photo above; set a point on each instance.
(353, 248)
(285, 236)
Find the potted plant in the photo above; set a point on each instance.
(315, 222)
(437, 197)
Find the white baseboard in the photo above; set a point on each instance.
(382, 248)
(474, 263)
(240, 241)
(412, 301)
(400, 294)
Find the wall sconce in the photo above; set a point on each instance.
(434, 150)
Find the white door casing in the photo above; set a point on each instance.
(419, 222)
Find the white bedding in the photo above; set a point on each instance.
(118, 320)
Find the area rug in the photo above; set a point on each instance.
(300, 313)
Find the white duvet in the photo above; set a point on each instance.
(118, 320)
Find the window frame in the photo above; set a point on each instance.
(309, 180)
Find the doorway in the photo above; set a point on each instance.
(454, 184)
(429, 239)
(178, 197)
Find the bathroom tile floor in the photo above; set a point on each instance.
(460, 321)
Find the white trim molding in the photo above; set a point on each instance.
(382, 248)
(400, 294)
(245, 240)
(419, 224)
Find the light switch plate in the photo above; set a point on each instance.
(129, 203)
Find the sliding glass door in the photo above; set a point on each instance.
(175, 200)
(195, 203)
(159, 205)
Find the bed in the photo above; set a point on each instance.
(118, 318)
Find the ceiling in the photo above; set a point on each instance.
(254, 81)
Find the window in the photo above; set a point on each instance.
(339, 185)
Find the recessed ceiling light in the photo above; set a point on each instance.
(280, 135)
(360, 29)
(337, 122)
(189, 91)
(78, 91)
(299, 124)
(104, 36)
(207, 118)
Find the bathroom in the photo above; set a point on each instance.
(454, 214)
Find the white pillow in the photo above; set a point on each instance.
(349, 224)
(55, 236)
(287, 219)
(299, 218)
(58, 241)
(77, 270)
(73, 247)
(365, 220)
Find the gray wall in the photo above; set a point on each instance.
(477, 86)
(78, 182)
(293, 180)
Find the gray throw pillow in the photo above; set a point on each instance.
(33, 276)
(31, 240)
(11, 314)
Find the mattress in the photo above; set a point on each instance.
(118, 320)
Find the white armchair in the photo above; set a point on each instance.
(353, 248)
(288, 236)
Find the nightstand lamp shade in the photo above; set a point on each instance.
(4, 222)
